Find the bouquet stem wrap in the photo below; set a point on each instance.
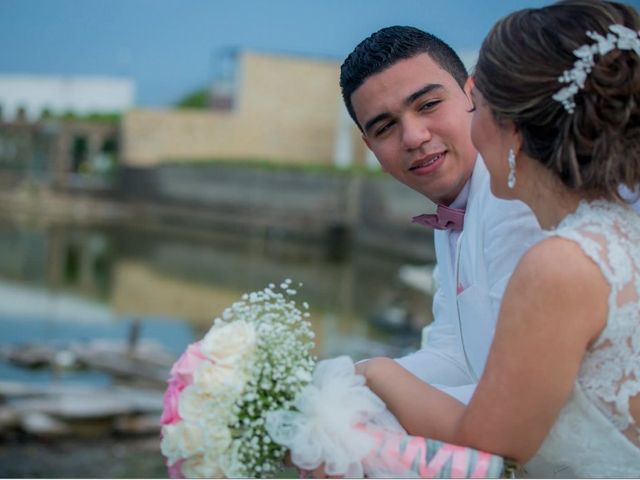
(401, 455)
(343, 425)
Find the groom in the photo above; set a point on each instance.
(409, 94)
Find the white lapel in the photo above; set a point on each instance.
(447, 276)
(471, 249)
(473, 303)
(443, 256)
(477, 179)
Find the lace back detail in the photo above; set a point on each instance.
(610, 373)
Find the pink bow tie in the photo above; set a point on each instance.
(445, 218)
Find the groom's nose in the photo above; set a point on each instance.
(415, 132)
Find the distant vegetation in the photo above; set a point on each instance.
(195, 99)
(111, 117)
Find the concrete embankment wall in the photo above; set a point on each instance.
(361, 210)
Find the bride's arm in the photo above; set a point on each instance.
(419, 407)
(553, 307)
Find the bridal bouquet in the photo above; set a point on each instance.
(254, 359)
(250, 391)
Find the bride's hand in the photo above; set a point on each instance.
(361, 367)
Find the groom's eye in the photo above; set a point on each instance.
(383, 128)
(429, 105)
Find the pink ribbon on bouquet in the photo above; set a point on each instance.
(397, 454)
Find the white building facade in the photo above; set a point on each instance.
(31, 95)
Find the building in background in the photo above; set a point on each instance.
(267, 107)
(30, 97)
(61, 131)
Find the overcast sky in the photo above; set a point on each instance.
(167, 46)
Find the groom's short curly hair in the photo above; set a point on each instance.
(389, 45)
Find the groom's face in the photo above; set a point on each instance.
(416, 120)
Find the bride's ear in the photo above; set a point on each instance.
(516, 138)
(518, 141)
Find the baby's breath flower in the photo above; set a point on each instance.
(270, 350)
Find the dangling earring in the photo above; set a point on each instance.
(511, 159)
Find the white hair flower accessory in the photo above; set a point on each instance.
(620, 37)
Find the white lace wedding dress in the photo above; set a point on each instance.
(595, 434)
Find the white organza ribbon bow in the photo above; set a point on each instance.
(323, 429)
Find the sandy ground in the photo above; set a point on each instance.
(82, 458)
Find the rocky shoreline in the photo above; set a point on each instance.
(61, 430)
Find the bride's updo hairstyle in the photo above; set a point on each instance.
(595, 147)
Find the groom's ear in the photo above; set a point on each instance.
(468, 86)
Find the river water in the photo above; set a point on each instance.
(62, 282)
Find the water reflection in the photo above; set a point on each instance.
(62, 282)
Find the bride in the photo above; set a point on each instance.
(557, 121)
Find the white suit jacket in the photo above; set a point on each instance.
(467, 300)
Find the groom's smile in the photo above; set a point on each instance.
(428, 164)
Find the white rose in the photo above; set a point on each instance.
(229, 342)
(201, 466)
(193, 401)
(198, 404)
(181, 440)
(169, 444)
(216, 379)
(217, 438)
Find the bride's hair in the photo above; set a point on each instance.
(595, 148)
